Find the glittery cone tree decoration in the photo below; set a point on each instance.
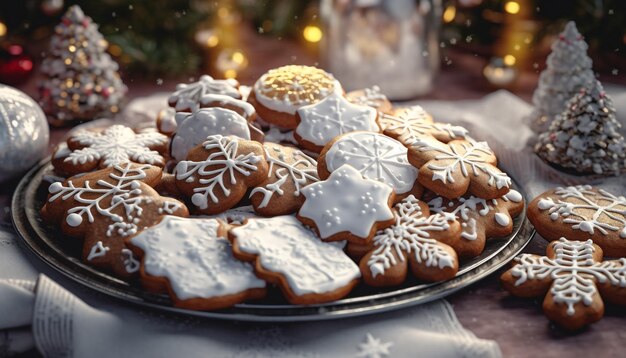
(81, 80)
(585, 138)
(568, 68)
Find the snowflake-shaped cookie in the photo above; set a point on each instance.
(290, 255)
(104, 207)
(114, 145)
(480, 218)
(188, 96)
(582, 212)
(371, 97)
(571, 273)
(218, 172)
(417, 240)
(458, 167)
(375, 156)
(412, 123)
(320, 122)
(347, 206)
(290, 170)
(198, 263)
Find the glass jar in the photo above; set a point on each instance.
(390, 43)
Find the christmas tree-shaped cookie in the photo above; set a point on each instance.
(585, 138)
(568, 69)
(81, 80)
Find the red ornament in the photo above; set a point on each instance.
(15, 65)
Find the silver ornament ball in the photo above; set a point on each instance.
(24, 132)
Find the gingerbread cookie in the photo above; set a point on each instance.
(288, 254)
(334, 115)
(580, 213)
(417, 239)
(194, 128)
(280, 92)
(106, 206)
(187, 96)
(573, 278)
(347, 206)
(96, 149)
(480, 218)
(192, 260)
(376, 157)
(290, 170)
(371, 97)
(241, 107)
(218, 172)
(236, 216)
(458, 167)
(166, 121)
(411, 123)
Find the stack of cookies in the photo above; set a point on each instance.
(293, 184)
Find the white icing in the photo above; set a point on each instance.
(117, 145)
(371, 97)
(235, 216)
(299, 169)
(196, 262)
(218, 170)
(589, 211)
(502, 219)
(188, 96)
(573, 272)
(169, 207)
(61, 151)
(410, 235)
(275, 135)
(167, 121)
(194, 128)
(123, 192)
(97, 250)
(514, 196)
(376, 157)
(414, 123)
(334, 115)
(247, 110)
(287, 247)
(466, 156)
(131, 264)
(462, 209)
(327, 204)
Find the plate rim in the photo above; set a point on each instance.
(347, 307)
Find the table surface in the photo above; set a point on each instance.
(518, 325)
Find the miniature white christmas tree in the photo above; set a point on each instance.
(568, 69)
(585, 138)
(81, 80)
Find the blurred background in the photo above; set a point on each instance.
(487, 43)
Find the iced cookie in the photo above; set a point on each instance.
(417, 240)
(106, 206)
(166, 121)
(88, 150)
(217, 173)
(194, 128)
(371, 97)
(412, 123)
(480, 218)
(347, 206)
(581, 213)
(458, 167)
(321, 122)
(192, 260)
(289, 255)
(376, 157)
(187, 96)
(572, 277)
(241, 107)
(280, 92)
(290, 170)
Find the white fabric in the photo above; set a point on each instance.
(63, 325)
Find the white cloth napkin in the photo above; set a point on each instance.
(63, 325)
